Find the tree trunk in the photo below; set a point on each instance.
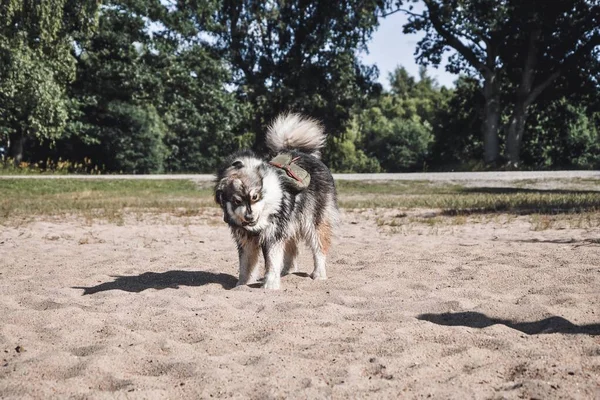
(17, 142)
(491, 119)
(526, 94)
(514, 135)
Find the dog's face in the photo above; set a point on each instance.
(240, 195)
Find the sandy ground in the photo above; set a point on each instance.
(147, 310)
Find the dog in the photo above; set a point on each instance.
(268, 208)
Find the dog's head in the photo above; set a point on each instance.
(240, 193)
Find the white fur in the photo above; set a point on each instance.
(293, 131)
(273, 265)
(249, 262)
(269, 204)
(288, 132)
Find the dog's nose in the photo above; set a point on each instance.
(249, 218)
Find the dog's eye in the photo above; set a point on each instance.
(255, 197)
(237, 202)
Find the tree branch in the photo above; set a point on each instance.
(453, 41)
(586, 48)
(530, 60)
(541, 87)
(572, 59)
(400, 10)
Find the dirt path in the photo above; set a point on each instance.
(145, 310)
(416, 176)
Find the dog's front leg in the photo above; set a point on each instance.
(273, 264)
(248, 251)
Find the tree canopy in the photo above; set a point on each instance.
(37, 64)
(145, 86)
(512, 47)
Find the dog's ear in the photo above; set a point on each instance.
(237, 164)
(219, 197)
(219, 192)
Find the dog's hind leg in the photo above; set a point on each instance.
(289, 257)
(248, 250)
(320, 242)
(274, 254)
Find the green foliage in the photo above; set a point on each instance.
(36, 64)
(203, 119)
(32, 100)
(396, 130)
(300, 56)
(344, 155)
(142, 86)
(563, 134)
(398, 144)
(131, 138)
(457, 127)
(146, 86)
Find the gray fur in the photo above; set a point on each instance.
(266, 213)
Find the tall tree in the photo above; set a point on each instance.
(200, 109)
(457, 128)
(298, 55)
(36, 40)
(151, 93)
(117, 90)
(536, 59)
(477, 30)
(526, 45)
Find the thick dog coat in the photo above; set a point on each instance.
(267, 211)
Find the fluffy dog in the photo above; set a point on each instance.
(267, 210)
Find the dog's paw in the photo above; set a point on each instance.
(271, 284)
(242, 288)
(318, 276)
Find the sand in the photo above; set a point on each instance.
(147, 310)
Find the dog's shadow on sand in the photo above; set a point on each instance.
(170, 280)
(478, 320)
(162, 280)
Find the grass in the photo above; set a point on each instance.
(453, 203)
(108, 199)
(454, 199)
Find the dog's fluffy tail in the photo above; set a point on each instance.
(295, 132)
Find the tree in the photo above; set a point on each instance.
(509, 45)
(457, 127)
(202, 117)
(115, 121)
(563, 130)
(396, 129)
(146, 77)
(537, 59)
(36, 40)
(477, 30)
(298, 55)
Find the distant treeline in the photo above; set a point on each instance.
(148, 86)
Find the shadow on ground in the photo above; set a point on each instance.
(479, 320)
(511, 190)
(581, 242)
(162, 280)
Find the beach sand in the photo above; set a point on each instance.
(148, 310)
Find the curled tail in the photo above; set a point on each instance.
(295, 132)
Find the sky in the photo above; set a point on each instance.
(389, 47)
